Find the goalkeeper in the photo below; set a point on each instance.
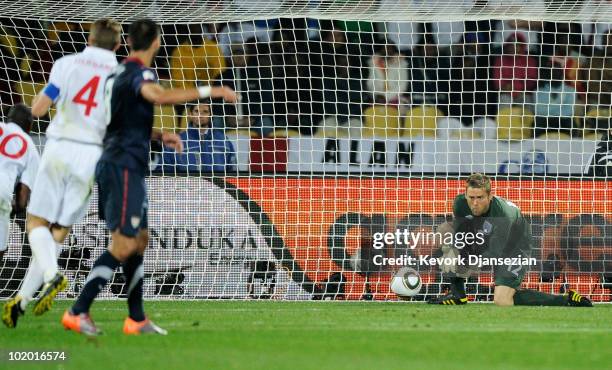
(500, 231)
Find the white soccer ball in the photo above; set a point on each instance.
(406, 282)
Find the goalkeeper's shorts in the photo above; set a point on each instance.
(510, 276)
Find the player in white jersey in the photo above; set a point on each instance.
(19, 161)
(18, 166)
(74, 144)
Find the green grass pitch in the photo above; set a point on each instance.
(326, 335)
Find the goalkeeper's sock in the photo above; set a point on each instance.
(99, 275)
(458, 286)
(528, 297)
(133, 270)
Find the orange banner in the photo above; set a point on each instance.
(317, 216)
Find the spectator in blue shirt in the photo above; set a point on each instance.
(206, 149)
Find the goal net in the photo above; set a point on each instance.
(356, 119)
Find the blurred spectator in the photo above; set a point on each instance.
(291, 76)
(507, 29)
(36, 61)
(197, 60)
(235, 76)
(596, 74)
(404, 35)
(594, 37)
(205, 148)
(342, 94)
(260, 96)
(471, 99)
(240, 32)
(515, 73)
(555, 103)
(388, 76)
(67, 38)
(430, 76)
(9, 75)
(566, 53)
(446, 35)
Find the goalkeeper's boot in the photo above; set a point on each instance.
(11, 312)
(577, 300)
(132, 327)
(49, 291)
(449, 300)
(80, 323)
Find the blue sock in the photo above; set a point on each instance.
(133, 269)
(99, 275)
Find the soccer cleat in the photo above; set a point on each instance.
(11, 312)
(80, 323)
(449, 300)
(131, 327)
(50, 290)
(576, 300)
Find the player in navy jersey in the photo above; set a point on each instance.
(131, 91)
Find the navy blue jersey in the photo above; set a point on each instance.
(128, 136)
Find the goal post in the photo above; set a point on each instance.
(357, 119)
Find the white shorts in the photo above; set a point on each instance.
(4, 232)
(64, 181)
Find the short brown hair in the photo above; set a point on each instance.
(106, 33)
(478, 181)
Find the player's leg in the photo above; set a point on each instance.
(11, 311)
(43, 268)
(110, 200)
(456, 274)
(133, 269)
(121, 205)
(80, 175)
(503, 295)
(77, 318)
(60, 233)
(43, 210)
(508, 280)
(4, 235)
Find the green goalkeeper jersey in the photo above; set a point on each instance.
(506, 232)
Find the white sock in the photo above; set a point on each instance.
(32, 281)
(44, 250)
(58, 250)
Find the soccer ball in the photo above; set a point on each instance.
(406, 282)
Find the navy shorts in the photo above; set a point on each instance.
(122, 198)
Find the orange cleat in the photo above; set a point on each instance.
(132, 327)
(80, 323)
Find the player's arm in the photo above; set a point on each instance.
(157, 94)
(44, 99)
(171, 140)
(22, 196)
(43, 102)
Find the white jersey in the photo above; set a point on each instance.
(19, 160)
(76, 86)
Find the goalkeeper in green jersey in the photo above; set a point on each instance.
(489, 230)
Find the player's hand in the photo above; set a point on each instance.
(224, 92)
(173, 141)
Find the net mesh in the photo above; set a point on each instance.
(356, 118)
